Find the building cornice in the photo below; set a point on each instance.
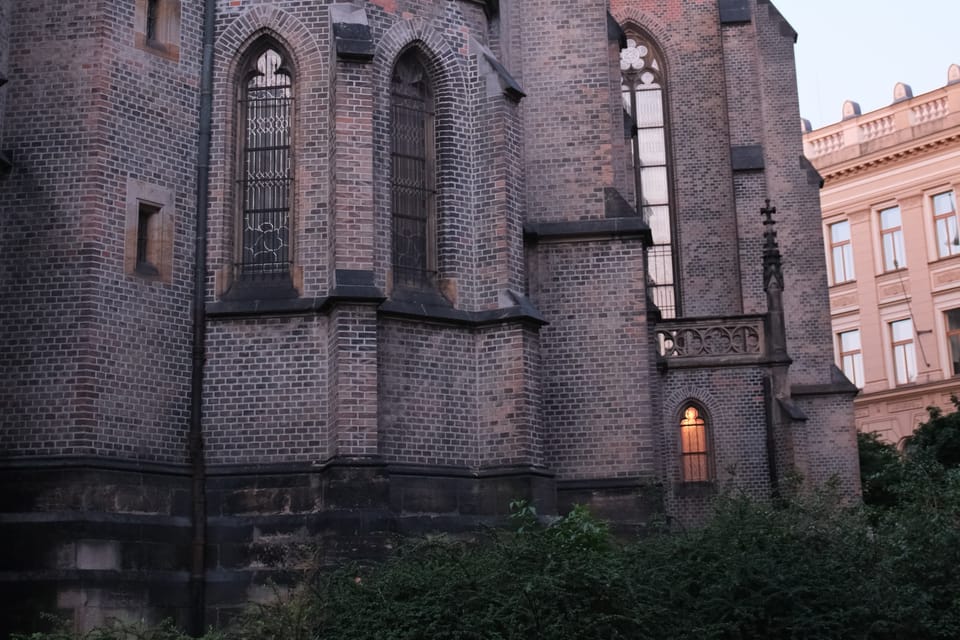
(890, 156)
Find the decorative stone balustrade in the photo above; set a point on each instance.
(827, 144)
(933, 110)
(721, 339)
(876, 128)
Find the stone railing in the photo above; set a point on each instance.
(728, 338)
(877, 128)
(827, 144)
(933, 110)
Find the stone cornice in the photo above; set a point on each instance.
(891, 156)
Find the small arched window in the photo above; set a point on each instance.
(413, 175)
(694, 450)
(266, 172)
(644, 99)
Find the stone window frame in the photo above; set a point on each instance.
(706, 472)
(165, 41)
(855, 354)
(905, 350)
(952, 336)
(942, 223)
(638, 36)
(845, 249)
(158, 239)
(895, 258)
(429, 279)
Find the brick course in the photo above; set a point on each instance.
(536, 368)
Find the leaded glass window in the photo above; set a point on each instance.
(412, 174)
(266, 177)
(644, 99)
(694, 452)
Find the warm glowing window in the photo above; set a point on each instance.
(904, 351)
(891, 237)
(413, 174)
(953, 338)
(266, 176)
(643, 91)
(693, 447)
(945, 221)
(841, 252)
(851, 357)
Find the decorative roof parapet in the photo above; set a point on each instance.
(864, 139)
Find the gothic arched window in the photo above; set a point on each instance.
(694, 450)
(266, 171)
(413, 174)
(643, 90)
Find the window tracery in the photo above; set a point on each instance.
(643, 92)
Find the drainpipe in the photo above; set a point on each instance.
(197, 465)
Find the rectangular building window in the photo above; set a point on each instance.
(891, 237)
(851, 357)
(841, 252)
(148, 241)
(945, 221)
(953, 339)
(904, 351)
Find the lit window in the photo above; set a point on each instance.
(904, 352)
(851, 358)
(693, 447)
(413, 175)
(891, 237)
(945, 220)
(841, 252)
(266, 179)
(953, 338)
(643, 91)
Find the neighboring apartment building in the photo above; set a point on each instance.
(890, 228)
(458, 252)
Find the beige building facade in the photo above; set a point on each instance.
(892, 243)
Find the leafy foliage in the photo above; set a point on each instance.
(813, 567)
(939, 437)
(880, 469)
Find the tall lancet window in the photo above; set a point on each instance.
(643, 98)
(413, 175)
(266, 176)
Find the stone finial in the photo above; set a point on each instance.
(953, 74)
(851, 109)
(901, 92)
(772, 266)
(805, 126)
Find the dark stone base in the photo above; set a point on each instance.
(90, 539)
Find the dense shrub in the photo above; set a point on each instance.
(807, 568)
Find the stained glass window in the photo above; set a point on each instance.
(266, 178)
(412, 174)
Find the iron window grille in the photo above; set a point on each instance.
(266, 176)
(413, 175)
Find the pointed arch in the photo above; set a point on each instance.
(414, 54)
(265, 180)
(413, 177)
(644, 88)
(696, 452)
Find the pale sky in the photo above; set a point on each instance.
(859, 49)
